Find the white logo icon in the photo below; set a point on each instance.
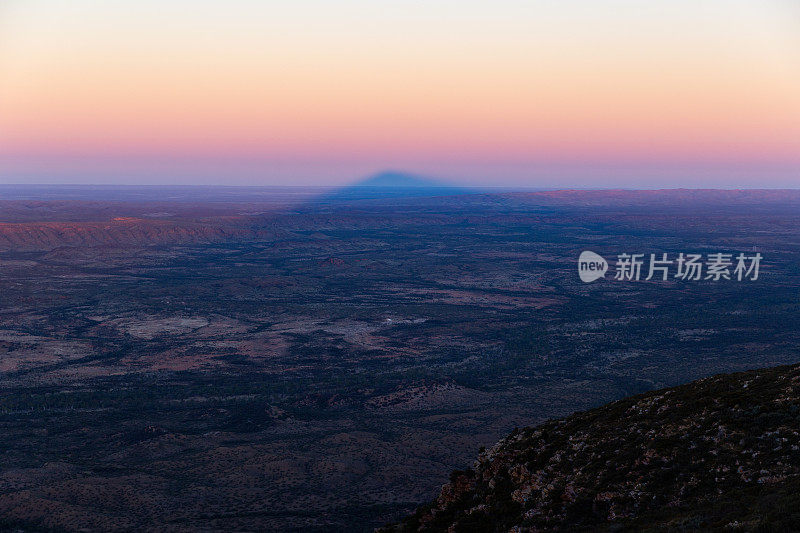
(591, 266)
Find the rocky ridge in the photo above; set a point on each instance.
(718, 454)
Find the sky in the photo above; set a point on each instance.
(535, 93)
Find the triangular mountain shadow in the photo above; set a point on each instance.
(391, 184)
(400, 180)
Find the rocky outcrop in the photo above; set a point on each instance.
(722, 453)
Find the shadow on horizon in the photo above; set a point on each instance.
(386, 186)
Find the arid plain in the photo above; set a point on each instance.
(270, 359)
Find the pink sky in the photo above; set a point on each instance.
(512, 93)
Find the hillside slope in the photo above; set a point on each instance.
(722, 453)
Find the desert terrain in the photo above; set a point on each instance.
(293, 360)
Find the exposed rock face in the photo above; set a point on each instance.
(722, 453)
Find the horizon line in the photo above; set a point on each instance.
(356, 185)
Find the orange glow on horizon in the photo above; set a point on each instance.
(512, 95)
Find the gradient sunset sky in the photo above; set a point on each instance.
(561, 93)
